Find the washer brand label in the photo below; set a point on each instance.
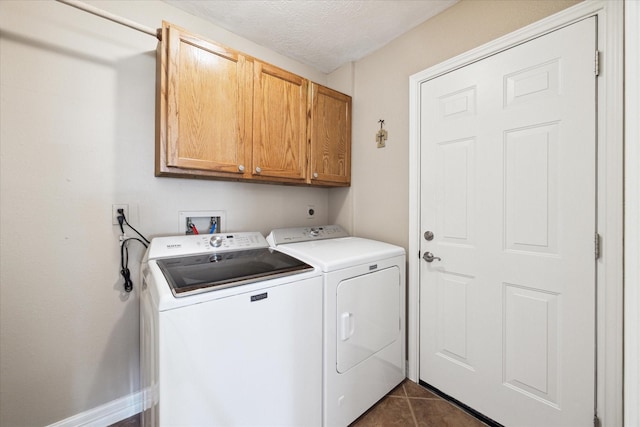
(373, 267)
(258, 297)
(174, 246)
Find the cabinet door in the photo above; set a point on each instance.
(330, 135)
(279, 123)
(207, 111)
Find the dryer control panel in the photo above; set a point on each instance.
(281, 236)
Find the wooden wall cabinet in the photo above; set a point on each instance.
(225, 115)
(204, 121)
(279, 123)
(330, 137)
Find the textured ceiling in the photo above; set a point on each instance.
(324, 34)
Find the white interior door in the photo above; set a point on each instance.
(507, 316)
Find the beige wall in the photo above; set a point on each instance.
(379, 197)
(77, 98)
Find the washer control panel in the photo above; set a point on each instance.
(281, 236)
(162, 247)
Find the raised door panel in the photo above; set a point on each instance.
(279, 124)
(207, 112)
(330, 135)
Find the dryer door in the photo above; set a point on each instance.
(368, 316)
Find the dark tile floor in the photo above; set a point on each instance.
(133, 421)
(408, 405)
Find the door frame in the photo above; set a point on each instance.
(609, 190)
(632, 216)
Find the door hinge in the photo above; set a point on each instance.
(596, 421)
(597, 63)
(596, 242)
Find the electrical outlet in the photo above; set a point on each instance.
(311, 211)
(114, 213)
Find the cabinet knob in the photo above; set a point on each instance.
(258, 170)
(315, 175)
(241, 168)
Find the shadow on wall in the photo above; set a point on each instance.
(86, 352)
(55, 48)
(121, 354)
(132, 147)
(341, 213)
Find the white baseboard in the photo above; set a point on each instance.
(107, 414)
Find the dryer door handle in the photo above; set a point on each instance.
(347, 326)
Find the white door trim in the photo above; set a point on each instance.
(609, 187)
(632, 216)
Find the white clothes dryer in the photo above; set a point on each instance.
(363, 315)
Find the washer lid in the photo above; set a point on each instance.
(335, 254)
(205, 272)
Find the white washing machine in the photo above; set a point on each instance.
(364, 315)
(231, 333)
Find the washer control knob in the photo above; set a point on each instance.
(216, 241)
